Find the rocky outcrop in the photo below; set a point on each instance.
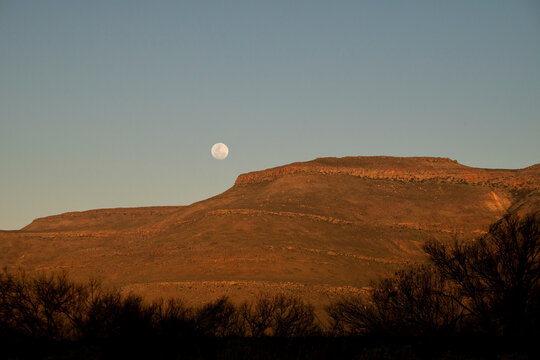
(402, 169)
(289, 214)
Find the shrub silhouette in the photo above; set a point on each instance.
(488, 286)
(219, 318)
(112, 316)
(257, 317)
(173, 319)
(52, 307)
(412, 302)
(56, 308)
(292, 317)
(497, 277)
(45, 306)
(279, 315)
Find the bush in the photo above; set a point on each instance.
(497, 277)
(280, 316)
(414, 301)
(55, 308)
(488, 286)
(219, 318)
(45, 306)
(52, 307)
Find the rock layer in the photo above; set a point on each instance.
(406, 169)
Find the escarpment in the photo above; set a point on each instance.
(319, 225)
(404, 169)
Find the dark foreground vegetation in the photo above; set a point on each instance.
(477, 300)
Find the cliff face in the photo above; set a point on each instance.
(405, 169)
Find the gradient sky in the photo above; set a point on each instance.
(117, 103)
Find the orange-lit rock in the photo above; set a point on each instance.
(317, 229)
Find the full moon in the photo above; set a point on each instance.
(220, 151)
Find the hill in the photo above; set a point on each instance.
(317, 228)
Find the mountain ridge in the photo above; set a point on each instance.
(527, 178)
(321, 225)
(399, 168)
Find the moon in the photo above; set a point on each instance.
(220, 151)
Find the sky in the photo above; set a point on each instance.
(117, 103)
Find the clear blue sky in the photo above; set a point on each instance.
(117, 103)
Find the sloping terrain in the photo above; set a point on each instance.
(317, 229)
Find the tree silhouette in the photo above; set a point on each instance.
(219, 318)
(487, 286)
(44, 306)
(412, 302)
(497, 276)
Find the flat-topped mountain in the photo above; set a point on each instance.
(317, 228)
(399, 168)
